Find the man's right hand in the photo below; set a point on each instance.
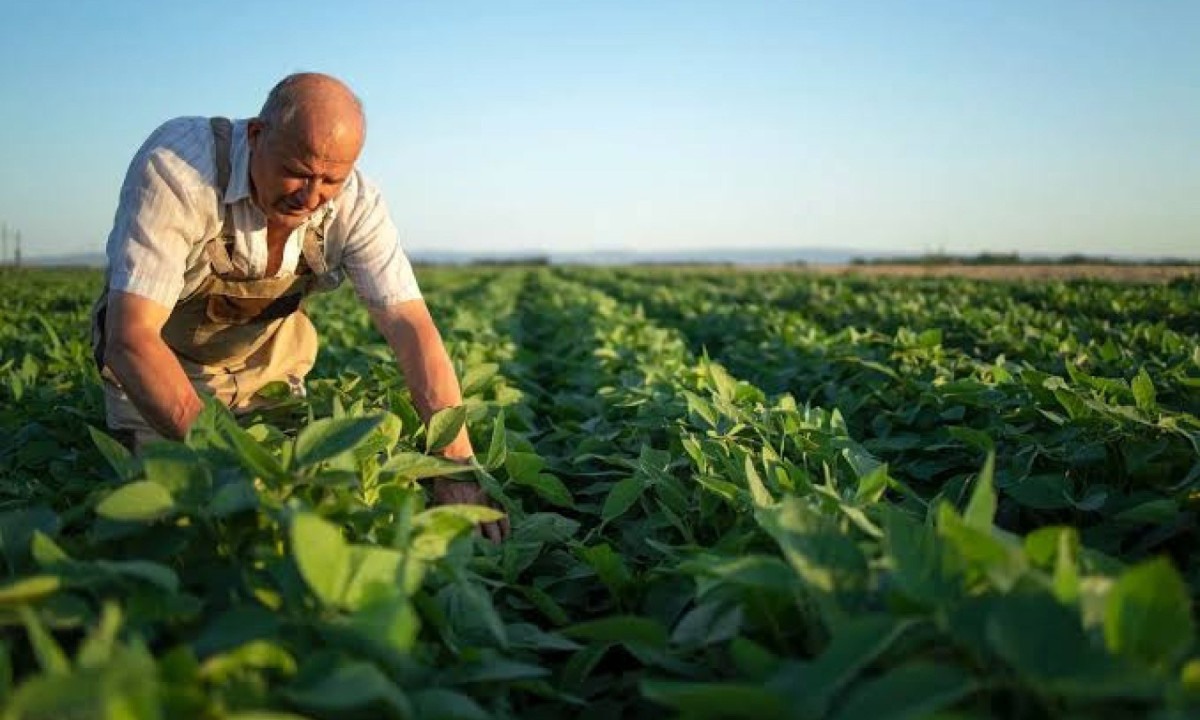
(148, 371)
(447, 491)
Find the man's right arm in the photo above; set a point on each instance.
(148, 371)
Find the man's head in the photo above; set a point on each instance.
(303, 146)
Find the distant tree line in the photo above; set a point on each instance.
(1013, 258)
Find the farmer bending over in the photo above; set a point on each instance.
(222, 229)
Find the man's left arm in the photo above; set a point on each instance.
(414, 338)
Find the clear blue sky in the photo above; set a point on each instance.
(1054, 126)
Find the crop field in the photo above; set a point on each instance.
(732, 495)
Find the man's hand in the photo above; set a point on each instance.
(429, 374)
(468, 492)
(147, 369)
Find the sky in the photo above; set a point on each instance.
(964, 126)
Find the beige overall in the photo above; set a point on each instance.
(232, 335)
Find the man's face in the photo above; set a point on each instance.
(294, 170)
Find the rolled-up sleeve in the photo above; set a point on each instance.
(159, 217)
(372, 256)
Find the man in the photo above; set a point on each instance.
(222, 228)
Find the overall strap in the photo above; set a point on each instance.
(218, 255)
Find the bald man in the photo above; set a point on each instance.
(222, 229)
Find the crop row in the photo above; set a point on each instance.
(686, 535)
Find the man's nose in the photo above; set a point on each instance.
(310, 195)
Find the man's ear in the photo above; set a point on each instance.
(254, 130)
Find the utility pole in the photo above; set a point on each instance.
(17, 255)
(3, 242)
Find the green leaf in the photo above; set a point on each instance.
(1056, 548)
(523, 466)
(151, 572)
(1044, 641)
(444, 427)
(371, 569)
(50, 656)
(621, 497)
(330, 437)
(709, 623)
(252, 455)
(470, 514)
(626, 629)
(981, 509)
(550, 488)
(920, 568)
(443, 704)
(912, 691)
(233, 497)
(46, 552)
(872, 485)
(716, 700)
(972, 438)
(981, 553)
(234, 627)
(758, 491)
(493, 668)
(854, 646)
(27, 589)
(1143, 392)
(821, 553)
(753, 660)
(544, 527)
(117, 455)
(321, 554)
(1148, 616)
(545, 604)
(180, 470)
(125, 687)
(1041, 492)
(471, 614)
(418, 466)
(257, 654)
(348, 687)
(498, 447)
(96, 649)
(389, 619)
(138, 501)
(476, 378)
(609, 566)
(17, 528)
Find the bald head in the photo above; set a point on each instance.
(303, 145)
(316, 106)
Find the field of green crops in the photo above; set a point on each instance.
(732, 494)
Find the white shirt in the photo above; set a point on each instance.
(168, 209)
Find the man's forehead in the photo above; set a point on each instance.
(333, 144)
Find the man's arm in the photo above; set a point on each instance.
(147, 369)
(413, 337)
